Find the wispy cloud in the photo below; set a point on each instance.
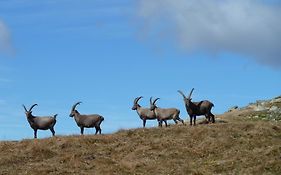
(91, 18)
(246, 27)
(5, 38)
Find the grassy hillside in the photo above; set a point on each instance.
(234, 145)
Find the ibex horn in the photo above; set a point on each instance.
(74, 106)
(182, 93)
(190, 93)
(155, 100)
(137, 99)
(24, 108)
(32, 107)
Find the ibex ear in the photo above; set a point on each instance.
(190, 99)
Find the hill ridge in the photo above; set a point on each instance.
(235, 144)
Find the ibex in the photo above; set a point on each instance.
(144, 113)
(197, 108)
(42, 123)
(86, 121)
(164, 114)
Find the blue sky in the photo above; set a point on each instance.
(106, 53)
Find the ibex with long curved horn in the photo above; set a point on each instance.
(164, 114)
(86, 121)
(197, 108)
(144, 113)
(42, 123)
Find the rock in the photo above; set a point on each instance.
(260, 108)
(261, 102)
(274, 109)
(276, 100)
(233, 108)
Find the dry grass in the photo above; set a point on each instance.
(235, 146)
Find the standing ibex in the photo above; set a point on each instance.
(197, 108)
(164, 114)
(42, 123)
(86, 121)
(144, 113)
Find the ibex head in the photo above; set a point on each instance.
(187, 100)
(28, 113)
(73, 110)
(152, 104)
(136, 105)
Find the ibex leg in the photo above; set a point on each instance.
(194, 120)
(82, 130)
(53, 131)
(35, 133)
(144, 122)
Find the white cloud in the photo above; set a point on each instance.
(5, 38)
(248, 27)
